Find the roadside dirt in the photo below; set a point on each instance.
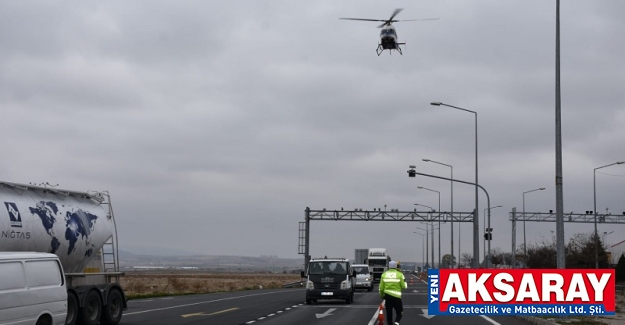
(619, 318)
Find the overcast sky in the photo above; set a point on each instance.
(214, 124)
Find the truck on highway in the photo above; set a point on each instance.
(78, 227)
(329, 278)
(361, 256)
(377, 259)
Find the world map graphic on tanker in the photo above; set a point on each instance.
(78, 224)
(46, 212)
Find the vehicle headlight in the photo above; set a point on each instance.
(346, 284)
(367, 279)
(310, 285)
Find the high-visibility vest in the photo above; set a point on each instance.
(391, 283)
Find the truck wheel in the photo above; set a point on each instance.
(308, 301)
(92, 310)
(44, 321)
(72, 309)
(112, 312)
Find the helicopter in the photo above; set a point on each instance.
(388, 34)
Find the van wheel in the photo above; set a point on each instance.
(43, 320)
(112, 312)
(72, 309)
(370, 288)
(92, 310)
(308, 301)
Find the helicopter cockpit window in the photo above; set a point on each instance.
(388, 32)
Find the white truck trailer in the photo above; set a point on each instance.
(377, 259)
(79, 227)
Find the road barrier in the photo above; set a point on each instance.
(293, 284)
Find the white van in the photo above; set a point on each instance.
(32, 289)
(364, 278)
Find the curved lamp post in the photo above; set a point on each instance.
(594, 187)
(439, 220)
(476, 220)
(452, 209)
(432, 227)
(476, 243)
(524, 242)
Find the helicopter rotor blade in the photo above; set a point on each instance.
(417, 19)
(390, 20)
(362, 19)
(398, 10)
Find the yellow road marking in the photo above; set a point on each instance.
(203, 314)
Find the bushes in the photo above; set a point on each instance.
(139, 284)
(580, 253)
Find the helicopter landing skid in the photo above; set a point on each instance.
(381, 49)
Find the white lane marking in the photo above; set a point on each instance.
(425, 314)
(490, 320)
(374, 319)
(198, 303)
(270, 315)
(326, 314)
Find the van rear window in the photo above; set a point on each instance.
(43, 273)
(12, 276)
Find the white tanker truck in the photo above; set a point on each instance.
(80, 228)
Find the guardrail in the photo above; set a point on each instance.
(293, 284)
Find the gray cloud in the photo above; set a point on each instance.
(217, 123)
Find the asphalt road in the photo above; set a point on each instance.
(287, 306)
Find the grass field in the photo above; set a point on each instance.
(151, 283)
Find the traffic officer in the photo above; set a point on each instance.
(391, 284)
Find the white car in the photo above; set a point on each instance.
(364, 278)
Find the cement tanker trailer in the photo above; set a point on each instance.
(80, 228)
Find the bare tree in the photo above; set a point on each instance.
(465, 259)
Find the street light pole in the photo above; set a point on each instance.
(524, 239)
(432, 227)
(484, 221)
(422, 248)
(605, 237)
(594, 190)
(452, 210)
(476, 220)
(413, 173)
(439, 221)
